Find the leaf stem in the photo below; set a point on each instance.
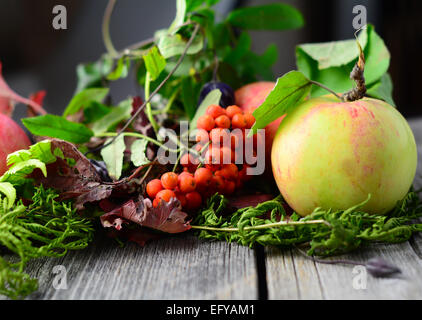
(326, 88)
(148, 109)
(106, 29)
(263, 226)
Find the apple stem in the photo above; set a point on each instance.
(357, 75)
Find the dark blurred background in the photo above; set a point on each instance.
(35, 56)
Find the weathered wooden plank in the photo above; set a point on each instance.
(172, 268)
(292, 276)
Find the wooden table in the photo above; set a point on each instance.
(187, 268)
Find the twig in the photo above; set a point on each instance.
(188, 44)
(106, 28)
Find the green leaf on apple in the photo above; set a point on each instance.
(113, 156)
(331, 63)
(383, 89)
(290, 90)
(138, 149)
(154, 63)
(58, 127)
(84, 98)
(274, 16)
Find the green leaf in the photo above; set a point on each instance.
(91, 75)
(113, 156)
(180, 15)
(95, 111)
(57, 127)
(193, 4)
(213, 97)
(121, 70)
(188, 97)
(331, 63)
(40, 151)
(17, 173)
(275, 16)
(243, 46)
(171, 45)
(383, 90)
(115, 116)
(138, 149)
(10, 192)
(84, 98)
(290, 90)
(335, 53)
(154, 63)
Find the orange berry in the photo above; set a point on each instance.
(187, 183)
(169, 180)
(218, 183)
(205, 122)
(232, 110)
(212, 167)
(193, 200)
(202, 136)
(250, 120)
(239, 121)
(215, 111)
(232, 171)
(165, 195)
(182, 198)
(220, 136)
(236, 138)
(155, 203)
(243, 175)
(223, 122)
(230, 187)
(188, 160)
(153, 187)
(203, 177)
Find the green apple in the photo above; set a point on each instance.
(332, 154)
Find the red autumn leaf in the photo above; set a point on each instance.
(37, 97)
(8, 98)
(79, 181)
(167, 216)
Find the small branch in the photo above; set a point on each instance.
(263, 226)
(189, 43)
(106, 29)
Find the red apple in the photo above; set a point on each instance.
(250, 97)
(12, 138)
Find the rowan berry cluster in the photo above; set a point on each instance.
(214, 167)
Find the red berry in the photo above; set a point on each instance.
(203, 177)
(218, 183)
(187, 183)
(237, 138)
(239, 121)
(205, 122)
(165, 195)
(215, 111)
(223, 122)
(193, 200)
(232, 110)
(169, 180)
(153, 187)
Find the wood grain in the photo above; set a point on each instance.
(172, 268)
